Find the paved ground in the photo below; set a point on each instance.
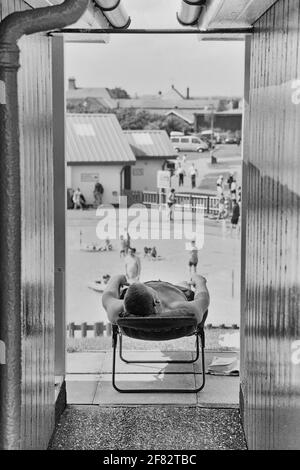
(229, 161)
(149, 428)
(89, 380)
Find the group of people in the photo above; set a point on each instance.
(229, 205)
(181, 173)
(78, 201)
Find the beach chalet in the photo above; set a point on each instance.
(97, 151)
(152, 149)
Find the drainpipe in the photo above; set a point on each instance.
(12, 28)
(190, 12)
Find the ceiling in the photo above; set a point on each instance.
(233, 13)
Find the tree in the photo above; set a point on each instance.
(118, 93)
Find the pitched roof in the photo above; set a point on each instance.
(101, 94)
(150, 143)
(96, 138)
(159, 103)
(185, 115)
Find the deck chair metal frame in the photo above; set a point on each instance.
(155, 329)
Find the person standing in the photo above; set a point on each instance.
(220, 186)
(221, 208)
(233, 189)
(235, 215)
(127, 242)
(193, 174)
(171, 203)
(239, 194)
(193, 261)
(77, 199)
(123, 246)
(230, 181)
(181, 174)
(132, 266)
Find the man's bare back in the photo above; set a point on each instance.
(156, 298)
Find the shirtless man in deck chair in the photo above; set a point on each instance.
(155, 298)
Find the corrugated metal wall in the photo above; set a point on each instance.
(35, 98)
(271, 298)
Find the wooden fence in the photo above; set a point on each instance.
(100, 329)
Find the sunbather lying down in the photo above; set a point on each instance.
(155, 298)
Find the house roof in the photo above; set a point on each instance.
(167, 104)
(96, 138)
(229, 112)
(150, 143)
(100, 94)
(185, 115)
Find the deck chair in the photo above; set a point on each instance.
(159, 329)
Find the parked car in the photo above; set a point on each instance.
(230, 140)
(189, 143)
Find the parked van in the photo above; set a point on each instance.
(189, 143)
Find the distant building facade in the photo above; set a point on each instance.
(97, 152)
(171, 103)
(152, 149)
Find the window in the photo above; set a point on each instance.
(138, 171)
(175, 140)
(195, 141)
(185, 141)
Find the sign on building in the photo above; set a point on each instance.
(163, 179)
(89, 177)
(138, 172)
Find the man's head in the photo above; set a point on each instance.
(140, 300)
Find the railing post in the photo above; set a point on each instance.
(108, 329)
(83, 330)
(71, 330)
(98, 329)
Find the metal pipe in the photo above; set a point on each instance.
(114, 12)
(190, 12)
(12, 28)
(227, 31)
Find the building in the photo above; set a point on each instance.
(172, 103)
(32, 218)
(97, 151)
(152, 149)
(225, 121)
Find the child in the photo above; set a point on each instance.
(123, 245)
(171, 203)
(154, 253)
(193, 261)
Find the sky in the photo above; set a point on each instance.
(147, 64)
